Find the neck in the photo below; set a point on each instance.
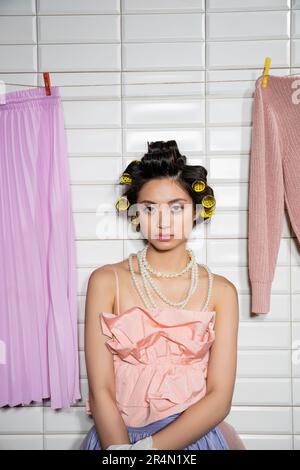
(168, 261)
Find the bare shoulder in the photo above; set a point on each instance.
(224, 293)
(101, 288)
(222, 283)
(102, 274)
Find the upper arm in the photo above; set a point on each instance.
(98, 358)
(222, 364)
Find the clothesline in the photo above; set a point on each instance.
(135, 83)
(143, 83)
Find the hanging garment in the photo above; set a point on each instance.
(38, 312)
(274, 180)
(160, 360)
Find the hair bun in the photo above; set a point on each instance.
(161, 146)
(166, 152)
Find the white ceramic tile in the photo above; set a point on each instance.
(16, 81)
(231, 169)
(104, 225)
(90, 114)
(296, 443)
(231, 196)
(18, 58)
(21, 419)
(84, 390)
(295, 22)
(17, 7)
(151, 84)
(228, 140)
(94, 86)
(296, 390)
(64, 441)
(95, 170)
(164, 56)
(236, 83)
(83, 372)
(214, 5)
(229, 224)
(297, 420)
(86, 198)
(68, 420)
(230, 54)
(79, 57)
(164, 112)
(295, 57)
(267, 442)
(89, 253)
(79, 29)
(261, 419)
(17, 29)
(264, 336)
(81, 307)
(161, 6)
(229, 111)
(21, 442)
(296, 307)
(264, 364)
(178, 27)
(85, 142)
(248, 25)
(296, 342)
(65, 7)
(240, 277)
(235, 252)
(295, 279)
(262, 391)
(81, 336)
(295, 254)
(87, 227)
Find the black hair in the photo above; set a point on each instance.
(163, 160)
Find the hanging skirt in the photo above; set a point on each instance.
(213, 440)
(38, 312)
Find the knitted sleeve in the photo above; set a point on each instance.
(266, 200)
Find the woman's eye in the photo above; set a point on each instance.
(178, 207)
(152, 209)
(147, 211)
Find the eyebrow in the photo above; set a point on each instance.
(172, 200)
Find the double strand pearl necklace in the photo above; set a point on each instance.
(146, 278)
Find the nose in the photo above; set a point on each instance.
(164, 217)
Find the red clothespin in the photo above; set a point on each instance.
(47, 83)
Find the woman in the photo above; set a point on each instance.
(161, 369)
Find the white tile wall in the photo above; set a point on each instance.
(165, 69)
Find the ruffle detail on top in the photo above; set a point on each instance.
(160, 358)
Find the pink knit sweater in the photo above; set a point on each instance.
(274, 179)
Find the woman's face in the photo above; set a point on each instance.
(165, 208)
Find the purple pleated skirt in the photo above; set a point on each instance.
(213, 440)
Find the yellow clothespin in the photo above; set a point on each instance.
(266, 72)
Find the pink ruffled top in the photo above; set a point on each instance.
(160, 360)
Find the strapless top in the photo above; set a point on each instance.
(160, 360)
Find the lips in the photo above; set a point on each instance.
(165, 237)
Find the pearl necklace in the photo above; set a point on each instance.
(147, 280)
(167, 275)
